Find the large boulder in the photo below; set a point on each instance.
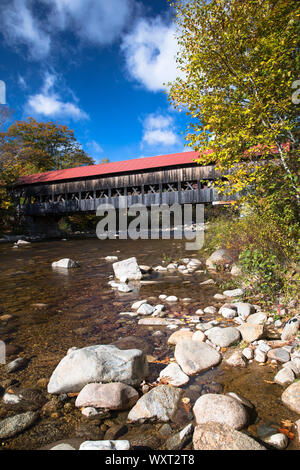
(221, 409)
(251, 332)
(160, 404)
(216, 436)
(219, 258)
(113, 396)
(101, 363)
(127, 270)
(195, 357)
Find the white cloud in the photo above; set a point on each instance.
(19, 26)
(49, 103)
(159, 130)
(95, 21)
(94, 148)
(150, 51)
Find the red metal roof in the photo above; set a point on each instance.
(125, 166)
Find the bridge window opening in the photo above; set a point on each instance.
(101, 193)
(189, 185)
(116, 192)
(151, 189)
(170, 188)
(134, 191)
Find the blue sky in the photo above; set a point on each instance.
(97, 66)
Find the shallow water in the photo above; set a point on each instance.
(80, 309)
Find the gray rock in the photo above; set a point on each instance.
(105, 445)
(260, 356)
(112, 396)
(223, 337)
(153, 321)
(244, 309)
(180, 439)
(220, 409)
(104, 363)
(248, 353)
(279, 354)
(10, 427)
(122, 287)
(145, 309)
(160, 404)
(136, 305)
(258, 318)
(63, 447)
(236, 359)
(216, 436)
(195, 357)
(127, 270)
(179, 336)
(211, 310)
(17, 364)
(234, 293)
(228, 312)
(284, 377)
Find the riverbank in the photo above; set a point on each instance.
(52, 311)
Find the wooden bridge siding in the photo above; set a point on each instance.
(86, 205)
(174, 175)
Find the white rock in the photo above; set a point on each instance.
(105, 445)
(208, 282)
(279, 441)
(223, 337)
(219, 297)
(101, 363)
(228, 312)
(122, 287)
(160, 403)
(63, 447)
(248, 353)
(65, 263)
(162, 296)
(195, 356)
(172, 298)
(127, 270)
(258, 318)
(23, 242)
(199, 311)
(137, 304)
(284, 376)
(234, 293)
(260, 356)
(244, 309)
(145, 309)
(290, 329)
(128, 314)
(198, 336)
(175, 375)
(211, 310)
(89, 411)
(111, 258)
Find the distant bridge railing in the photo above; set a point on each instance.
(193, 196)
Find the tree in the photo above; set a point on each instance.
(239, 62)
(28, 147)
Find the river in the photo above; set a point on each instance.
(54, 310)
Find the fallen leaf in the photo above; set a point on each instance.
(287, 433)
(71, 395)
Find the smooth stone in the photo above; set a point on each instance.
(279, 354)
(260, 356)
(236, 270)
(234, 293)
(127, 270)
(124, 288)
(89, 411)
(208, 282)
(175, 375)
(101, 363)
(63, 447)
(10, 427)
(128, 314)
(111, 258)
(219, 297)
(65, 263)
(199, 336)
(294, 366)
(180, 335)
(17, 364)
(216, 436)
(223, 337)
(291, 397)
(105, 445)
(112, 396)
(136, 305)
(258, 318)
(244, 309)
(171, 298)
(250, 332)
(211, 310)
(195, 357)
(153, 321)
(248, 353)
(220, 409)
(228, 312)
(160, 404)
(284, 377)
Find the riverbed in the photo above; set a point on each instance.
(54, 310)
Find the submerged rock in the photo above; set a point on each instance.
(12, 426)
(105, 445)
(103, 363)
(65, 263)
